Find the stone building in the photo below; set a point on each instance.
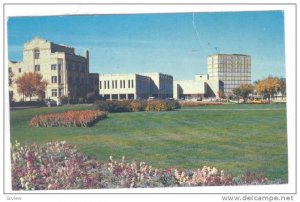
(66, 72)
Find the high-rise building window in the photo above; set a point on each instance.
(54, 79)
(100, 85)
(107, 84)
(59, 67)
(121, 86)
(104, 84)
(112, 84)
(37, 68)
(132, 84)
(59, 79)
(53, 67)
(54, 92)
(60, 92)
(128, 83)
(116, 84)
(124, 84)
(36, 53)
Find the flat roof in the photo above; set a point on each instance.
(237, 54)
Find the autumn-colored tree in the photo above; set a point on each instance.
(31, 84)
(221, 94)
(268, 86)
(243, 90)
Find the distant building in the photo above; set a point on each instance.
(231, 69)
(135, 86)
(67, 73)
(161, 85)
(189, 89)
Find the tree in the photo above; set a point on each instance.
(243, 90)
(282, 86)
(31, 84)
(221, 94)
(268, 86)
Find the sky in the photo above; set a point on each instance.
(173, 43)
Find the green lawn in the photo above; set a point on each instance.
(236, 138)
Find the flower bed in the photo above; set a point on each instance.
(81, 118)
(58, 165)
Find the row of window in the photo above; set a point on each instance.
(56, 66)
(55, 92)
(54, 79)
(114, 84)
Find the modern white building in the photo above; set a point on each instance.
(225, 72)
(189, 89)
(231, 69)
(161, 85)
(135, 86)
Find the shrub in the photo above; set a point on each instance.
(113, 105)
(136, 105)
(28, 103)
(63, 99)
(158, 105)
(173, 104)
(57, 165)
(68, 119)
(196, 103)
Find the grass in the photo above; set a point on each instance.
(236, 138)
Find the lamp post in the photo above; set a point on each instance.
(68, 97)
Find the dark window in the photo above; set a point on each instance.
(104, 84)
(124, 84)
(59, 67)
(9, 70)
(54, 79)
(20, 70)
(53, 67)
(60, 92)
(113, 84)
(59, 79)
(132, 84)
(54, 92)
(116, 84)
(100, 85)
(36, 53)
(107, 84)
(121, 84)
(37, 68)
(128, 83)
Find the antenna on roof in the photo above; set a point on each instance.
(217, 51)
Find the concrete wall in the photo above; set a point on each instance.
(188, 89)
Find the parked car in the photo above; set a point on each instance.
(151, 98)
(50, 102)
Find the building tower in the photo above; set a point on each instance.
(231, 69)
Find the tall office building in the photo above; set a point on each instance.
(231, 69)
